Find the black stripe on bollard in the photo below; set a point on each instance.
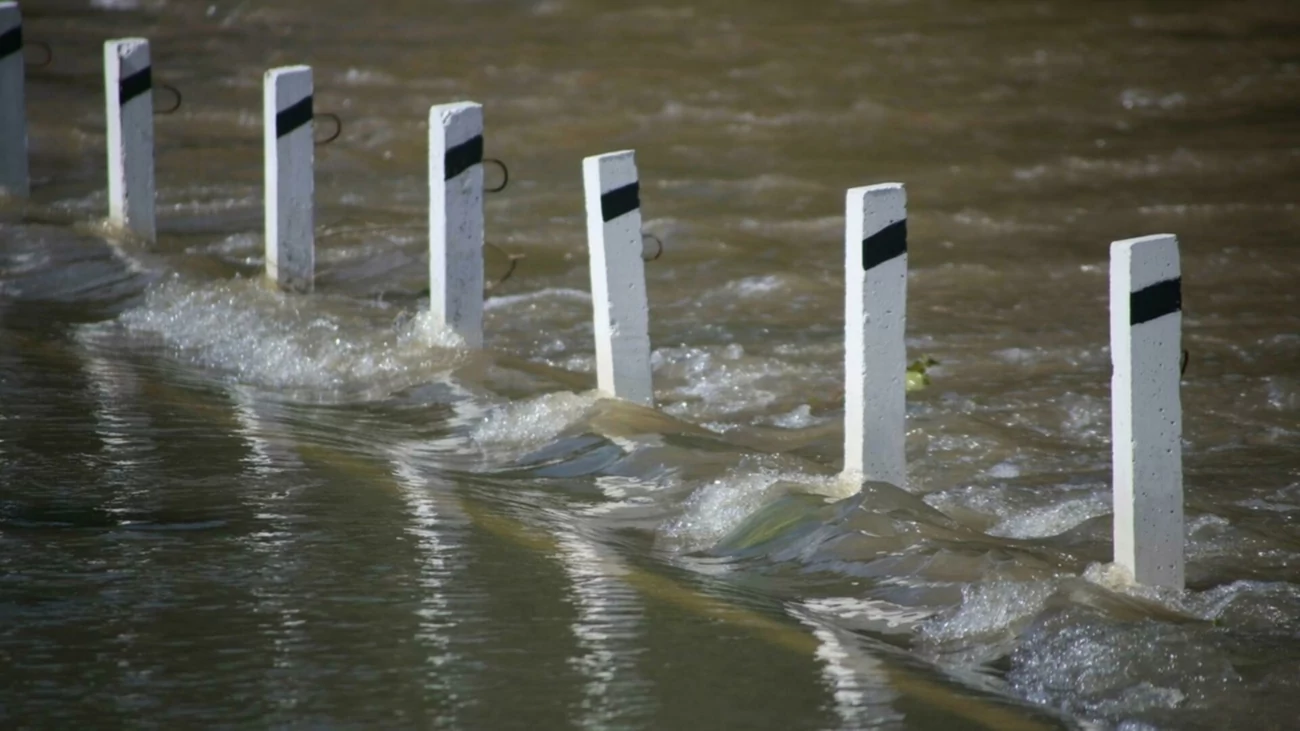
(134, 85)
(619, 201)
(462, 157)
(884, 245)
(293, 116)
(11, 42)
(1155, 301)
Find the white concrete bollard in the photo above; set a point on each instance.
(456, 218)
(875, 320)
(13, 112)
(128, 93)
(1146, 411)
(289, 152)
(618, 293)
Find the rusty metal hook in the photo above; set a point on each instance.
(514, 262)
(338, 128)
(656, 239)
(49, 54)
(175, 106)
(1182, 366)
(505, 175)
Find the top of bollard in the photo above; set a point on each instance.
(281, 71)
(611, 156)
(1146, 259)
(877, 189)
(1153, 243)
(612, 170)
(446, 111)
(458, 123)
(126, 43)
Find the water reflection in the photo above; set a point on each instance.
(274, 541)
(857, 682)
(607, 629)
(436, 525)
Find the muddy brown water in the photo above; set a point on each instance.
(223, 506)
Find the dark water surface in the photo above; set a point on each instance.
(224, 506)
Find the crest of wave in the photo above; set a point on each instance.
(318, 347)
(720, 505)
(534, 422)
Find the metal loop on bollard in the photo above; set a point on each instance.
(174, 107)
(514, 262)
(49, 54)
(505, 175)
(658, 253)
(338, 128)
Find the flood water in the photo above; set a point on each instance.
(225, 506)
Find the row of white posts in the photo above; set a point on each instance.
(128, 110)
(1145, 282)
(1146, 359)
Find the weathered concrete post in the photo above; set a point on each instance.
(128, 93)
(456, 219)
(618, 292)
(875, 320)
(1146, 410)
(290, 169)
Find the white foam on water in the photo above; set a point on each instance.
(982, 220)
(988, 611)
(578, 363)
(750, 287)
(1089, 668)
(245, 243)
(1272, 606)
(1021, 512)
(283, 342)
(1003, 470)
(206, 201)
(1115, 668)
(115, 4)
(1086, 419)
(1269, 606)
(706, 383)
(801, 417)
(366, 247)
(1051, 520)
(562, 294)
(364, 77)
(1086, 666)
(1214, 540)
(1116, 578)
(534, 422)
(1148, 99)
(1128, 725)
(717, 507)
